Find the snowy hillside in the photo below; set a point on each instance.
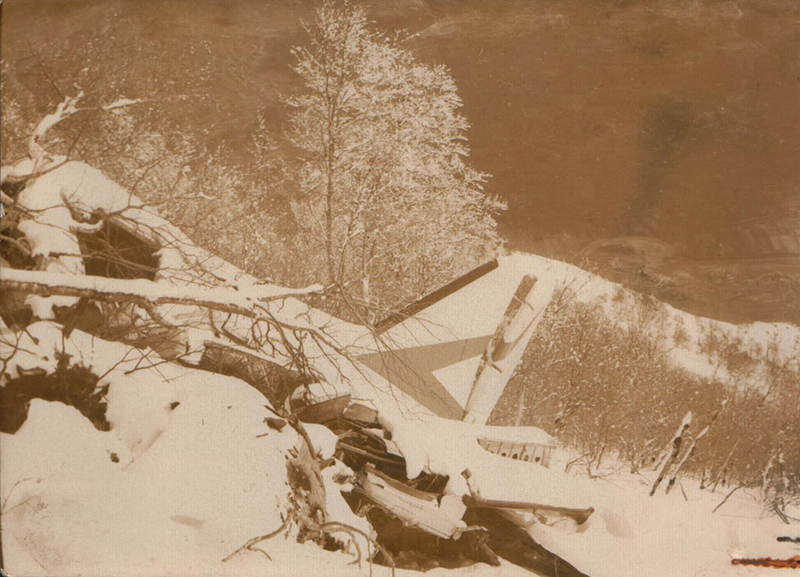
(257, 317)
(149, 430)
(681, 333)
(189, 472)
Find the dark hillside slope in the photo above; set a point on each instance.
(609, 127)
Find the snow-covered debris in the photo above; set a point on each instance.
(38, 346)
(76, 198)
(451, 448)
(323, 439)
(61, 202)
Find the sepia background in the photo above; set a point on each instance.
(657, 140)
(640, 158)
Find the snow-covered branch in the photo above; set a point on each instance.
(38, 159)
(224, 299)
(65, 109)
(121, 103)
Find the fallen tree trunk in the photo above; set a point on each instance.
(144, 292)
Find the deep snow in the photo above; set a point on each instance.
(174, 489)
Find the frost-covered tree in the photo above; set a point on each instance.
(221, 198)
(387, 202)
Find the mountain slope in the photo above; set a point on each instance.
(669, 121)
(623, 307)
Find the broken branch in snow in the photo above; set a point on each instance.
(16, 242)
(672, 456)
(305, 463)
(686, 456)
(39, 160)
(251, 302)
(736, 488)
(121, 103)
(37, 153)
(68, 107)
(256, 540)
(334, 526)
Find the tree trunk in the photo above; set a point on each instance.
(677, 441)
(686, 456)
(329, 226)
(520, 408)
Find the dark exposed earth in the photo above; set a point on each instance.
(654, 142)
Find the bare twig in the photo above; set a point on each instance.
(727, 497)
(17, 243)
(256, 540)
(334, 526)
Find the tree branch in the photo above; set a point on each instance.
(146, 293)
(255, 541)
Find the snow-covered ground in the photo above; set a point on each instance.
(190, 472)
(180, 481)
(208, 483)
(780, 342)
(633, 534)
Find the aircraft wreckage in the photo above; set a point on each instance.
(408, 397)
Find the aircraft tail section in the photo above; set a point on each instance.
(447, 351)
(505, 349)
